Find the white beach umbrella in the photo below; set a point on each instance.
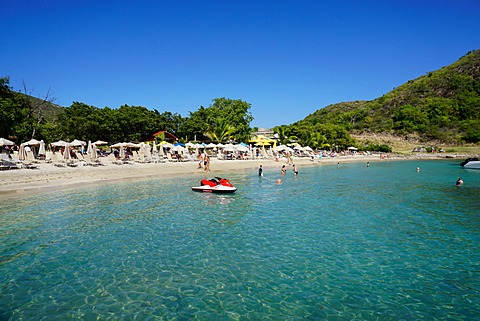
(229, 148)
(93, 154)
(211, 145)
(118, 145)
(59, 143)
(133, 145)
(89, 147)
(241, 148)
(4, 141)
(166, 145)
(77, 142)
(122, 152)
(66, 152)
(22, 153)
(161, 152)
(32, 142)
(100, 143)
(280, 148)
(41, 149)
(154, 148)
(179, 149)
(148, 152)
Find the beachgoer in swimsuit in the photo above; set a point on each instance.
(199, 159)
(207, 163)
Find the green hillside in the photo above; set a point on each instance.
(443, 105)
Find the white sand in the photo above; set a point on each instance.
(49, 177)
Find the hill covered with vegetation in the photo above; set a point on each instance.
(442, 106)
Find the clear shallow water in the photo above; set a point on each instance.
(336, 242)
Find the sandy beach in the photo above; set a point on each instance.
(47, 177)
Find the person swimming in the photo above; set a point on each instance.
(459, 181)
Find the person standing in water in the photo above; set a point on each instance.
(284, 169)
(295, 169)
(260, 171)
(459, 181)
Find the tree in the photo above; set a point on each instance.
(281, 132)
(37, 108)
(195, 125)
(222, 131)
(232, 114)
(13, 113)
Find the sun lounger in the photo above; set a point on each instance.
(31, 158)
(58, 161)
(6, 163)
(88, 161)
(114, 160)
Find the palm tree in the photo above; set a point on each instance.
(221, 131)
(281, 132)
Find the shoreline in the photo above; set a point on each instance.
(47, 177)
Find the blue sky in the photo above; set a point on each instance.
(286, 58)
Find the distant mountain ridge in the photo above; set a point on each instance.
(442, 105)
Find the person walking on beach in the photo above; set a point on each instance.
(260, 171)
(200, 160)
(207, 163)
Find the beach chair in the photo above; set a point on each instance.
(31, 158)
(160, 158)
(58, 161)
(80, 159)
(89, 162)
(114, 160)
(138, 157)
(170, 158)
(189, 158)
(48, 156)
(6, 162)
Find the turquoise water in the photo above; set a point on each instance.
(337, 242)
